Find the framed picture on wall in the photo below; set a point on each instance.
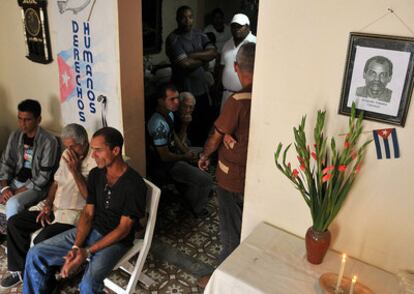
(378, 77)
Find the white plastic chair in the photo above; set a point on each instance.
(140, 247)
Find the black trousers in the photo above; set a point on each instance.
(19, 230)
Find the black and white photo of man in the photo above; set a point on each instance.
(377, 74)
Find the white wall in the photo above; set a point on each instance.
(302, 47)
(21, 78)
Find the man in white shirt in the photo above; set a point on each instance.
(240, 30)
(60, 211)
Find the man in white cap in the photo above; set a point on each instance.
(240, 30)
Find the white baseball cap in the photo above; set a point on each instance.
(241, 19)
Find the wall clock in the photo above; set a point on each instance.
(36, 30)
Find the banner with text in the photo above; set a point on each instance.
(87, 56)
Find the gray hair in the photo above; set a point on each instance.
(75, 132)
(187, 95)
(245, 57)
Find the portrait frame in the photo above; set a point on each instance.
(378, 77)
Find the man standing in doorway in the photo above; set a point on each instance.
(189, 51)
(240, 30)
(184, 116)
(233, 121)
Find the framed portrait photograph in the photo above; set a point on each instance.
(378, 77)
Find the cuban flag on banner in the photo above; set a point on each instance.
(386, 143)
(66, 78)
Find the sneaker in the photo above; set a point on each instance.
(10, 281)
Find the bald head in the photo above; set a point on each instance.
(245, 57)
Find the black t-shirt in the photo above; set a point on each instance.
(127, 198)
(25, 172)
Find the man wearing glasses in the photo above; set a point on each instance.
(59, 212)
(106, 229)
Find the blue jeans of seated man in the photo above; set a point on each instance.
(43, 259)
(230, 207)
(197, 183)
(19, 202)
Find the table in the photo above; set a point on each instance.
(271, 260)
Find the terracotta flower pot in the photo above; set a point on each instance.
(317, 244)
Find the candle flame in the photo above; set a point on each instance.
(354, 279)
(343, 257)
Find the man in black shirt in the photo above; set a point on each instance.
(116, 200)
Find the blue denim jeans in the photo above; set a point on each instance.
(230, 219)
(197, 184)
(19, 202)
(44, 258)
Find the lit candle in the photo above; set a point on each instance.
(354, 279)
(341, 273)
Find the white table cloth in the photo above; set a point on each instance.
(271, 260)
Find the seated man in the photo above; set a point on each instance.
(65, 200)
(183, 117)
(27, 164)
(172, 157)
(116, 200)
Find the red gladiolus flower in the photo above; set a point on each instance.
(314, 156)
(346, 144)
(302, 167)
(289, 165)
(354, 155)
(326, 177)
(327, 169)
(295, 173)
(357, 168)
(300, 159)
(342, 168)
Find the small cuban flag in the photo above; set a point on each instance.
(386, 143)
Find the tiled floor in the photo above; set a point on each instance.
(183, 249)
